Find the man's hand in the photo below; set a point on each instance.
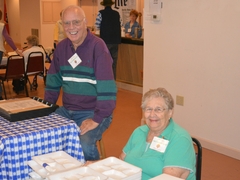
(87, 125)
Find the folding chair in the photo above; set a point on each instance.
(35, 67)
(15, 69)
(198, 158)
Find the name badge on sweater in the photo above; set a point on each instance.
(74, 60)
(159, 144)
(129, 30)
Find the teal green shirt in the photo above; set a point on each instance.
(179, 152)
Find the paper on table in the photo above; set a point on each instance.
(12, 53)
(20, 104)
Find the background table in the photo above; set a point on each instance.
(21, 140)
(4, 58)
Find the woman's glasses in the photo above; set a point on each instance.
(156, 110)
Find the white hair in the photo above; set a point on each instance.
(74, 7)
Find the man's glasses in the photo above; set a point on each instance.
(156, 110)
(74, 23)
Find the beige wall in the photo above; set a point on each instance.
(194, 52)
(30, 19)
(24, 15)
(47, 29)
(91, 10)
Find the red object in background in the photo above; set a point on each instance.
(5, 18)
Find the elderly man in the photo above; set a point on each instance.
(82, 67)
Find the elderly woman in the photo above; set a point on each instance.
(32, 46)
(160, 146)
(132, 24)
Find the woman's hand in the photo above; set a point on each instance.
(177, 172)
(89, 162)
(122, 156)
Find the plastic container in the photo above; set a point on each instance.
(53, 163)
(83, 173)
(115, 168)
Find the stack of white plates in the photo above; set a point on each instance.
(61, 166)
(52, 163)
(115, 168)
(82, 173)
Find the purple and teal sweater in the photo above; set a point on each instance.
(90, 85)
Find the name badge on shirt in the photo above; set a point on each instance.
(74, 60)
(129, 30)
(159, 144)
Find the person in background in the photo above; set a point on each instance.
(5, 36)
(160, 146)
(32, 46)
(109, 23)
(59, 33)
(132, 25)
(82, 68)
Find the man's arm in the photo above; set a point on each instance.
(53, 82)
(8, 39)
(98, 20)
(105, 86)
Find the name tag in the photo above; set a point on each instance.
(159, 144)
(129, 30)
(74, 60)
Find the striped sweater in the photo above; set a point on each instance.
(88, 86)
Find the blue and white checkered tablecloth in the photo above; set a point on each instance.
(19, 141)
